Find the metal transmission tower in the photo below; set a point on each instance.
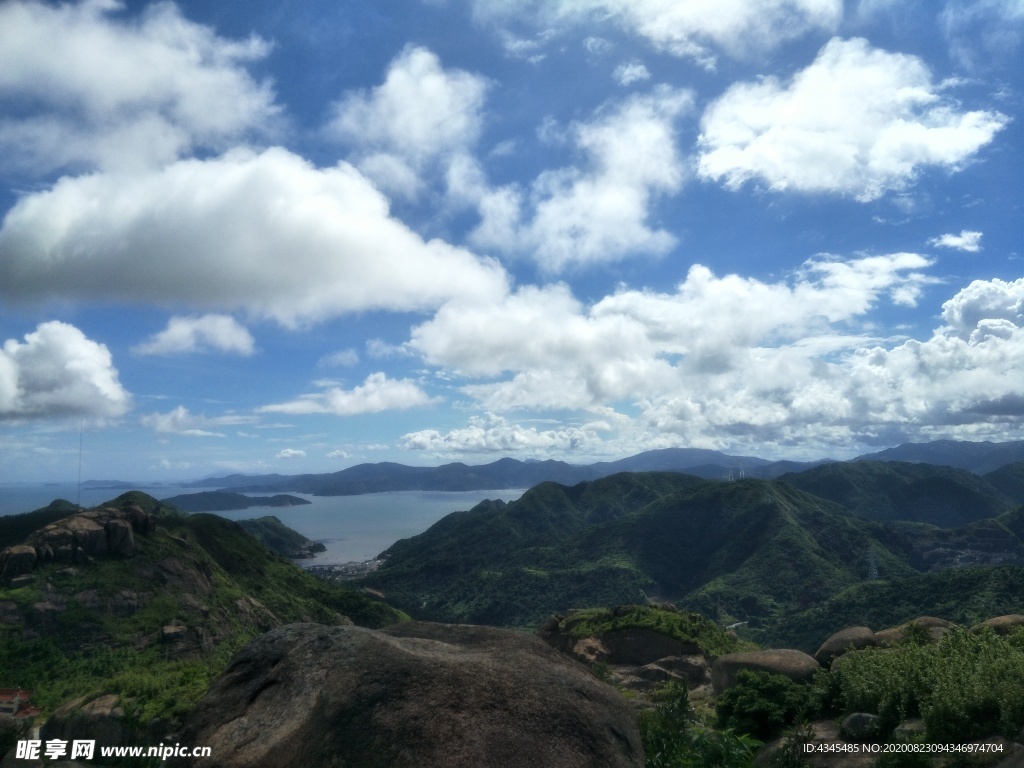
(872, 565)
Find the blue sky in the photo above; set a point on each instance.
(296, 236)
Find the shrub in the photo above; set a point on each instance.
(968, 686)
(762, 704)
(673, 738)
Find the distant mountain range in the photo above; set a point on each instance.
(978, 458)
(756, 551)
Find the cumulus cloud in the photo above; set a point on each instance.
(180, 422)
(688, 29)
(858, 122)
(966, 241)
(290, 453)
(112, 91)
(265, 232)
(378, 393)
(219, 333)
(59, 372)
(629, 344)
(599, 213)
(422, 113)
(734, 362)
(494, 434)
(985, 303)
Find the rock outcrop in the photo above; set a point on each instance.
(415, 694)
(1001, 625)
(101, 719)
(796, 665)
(98, 532)
(842, 641)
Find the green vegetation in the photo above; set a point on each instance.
(895, 490)
(968, 686)
(223, 501)
(201, 574)
(961, 595)
(275, 535)
(685, 626)
(674, 737)
(763, 704)
(743, 551)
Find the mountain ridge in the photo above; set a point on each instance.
(506, 473)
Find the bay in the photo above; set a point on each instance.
(353, 528)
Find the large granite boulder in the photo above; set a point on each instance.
(936, 630)
(415, 694)
(1001, 625)
(796, 665)
(18, 560)
(856, 638)
(101, 719)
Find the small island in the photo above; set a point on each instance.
(225, 501)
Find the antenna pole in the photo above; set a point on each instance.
(81, 429)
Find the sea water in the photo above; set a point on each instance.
(353, 528)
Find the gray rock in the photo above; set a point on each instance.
(692, 667)
(101, 719)
(908, 729)
(1001, 625)
(796, 665)
(415, 694)
(16, 561)
(842, 641)
(9, 613)
(860, 726)
(642, 646)
(88, 598)
(120, 540)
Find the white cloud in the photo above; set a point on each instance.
(338, 454)
(733, 362)
(421, 113)
(983, 32)
(266, 232)
(635, 344)
(966, 241)
(494, 434)
(600, 214)
(220, 333)
(859, 121)
(343, 358)
(58, 372)
(180, 422)
(690, 29)
(631, 72)
(378, 393)
(115, 92)
(290, 453)
(985, 301)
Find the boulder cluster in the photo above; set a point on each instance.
(105, 531)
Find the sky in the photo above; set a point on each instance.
(297, 236)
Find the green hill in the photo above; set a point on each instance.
(157, 626)
(225, 501)
(736, 551)
(1009, 480)
(961, 595)
(896, 490)
(276, 536)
